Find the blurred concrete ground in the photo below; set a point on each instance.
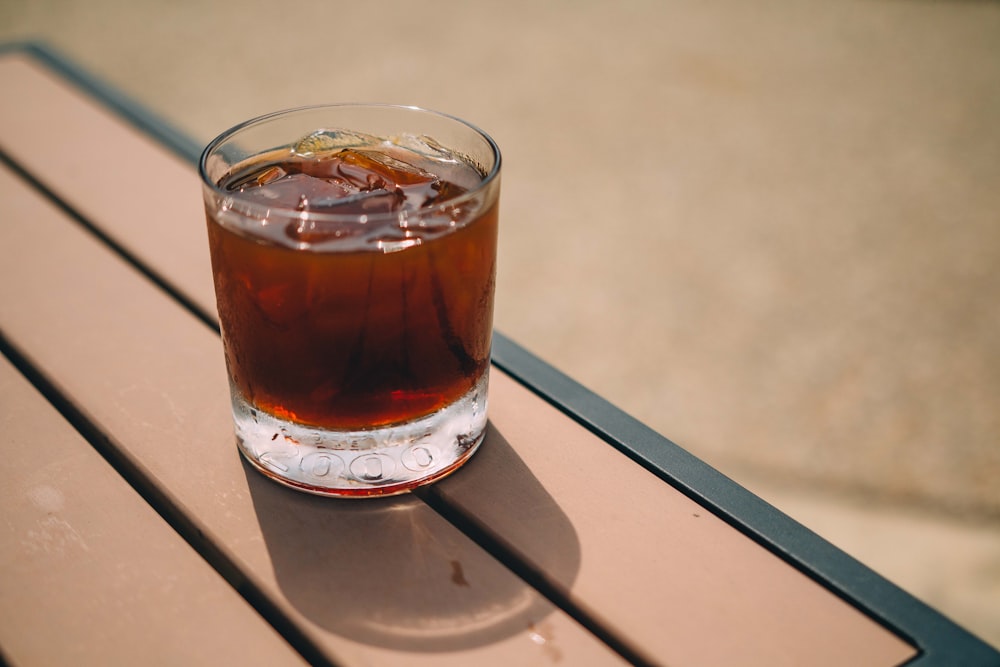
(770, 230)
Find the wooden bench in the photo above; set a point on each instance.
(135, 534)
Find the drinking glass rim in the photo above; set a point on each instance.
(251, 207)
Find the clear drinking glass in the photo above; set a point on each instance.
(354, 255)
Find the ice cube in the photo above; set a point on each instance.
(392, 183)
(427, 147)
(293, 190)
(443, 161)
(366, 202)
(270, 175)
(362, 204)
(330, 141)
(312, 232)
(253, 178)
(363, 167)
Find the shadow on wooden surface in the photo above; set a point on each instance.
(390, 594)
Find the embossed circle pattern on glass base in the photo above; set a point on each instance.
(376, 462)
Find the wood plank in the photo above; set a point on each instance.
(373, 583)
(681, 588)
(56, 129)
(656, 566)
(83, 557)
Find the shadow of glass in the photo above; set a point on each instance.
(392, 572)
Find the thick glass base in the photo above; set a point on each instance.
(374, 462)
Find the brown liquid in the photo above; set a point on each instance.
(368, 330)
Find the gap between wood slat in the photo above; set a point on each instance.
(190, 532)
(201, 314)
(139, 480)
(530, 574)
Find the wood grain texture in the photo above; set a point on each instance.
(660, 571)
(108, 171)
(90, 574)
(375, 583)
